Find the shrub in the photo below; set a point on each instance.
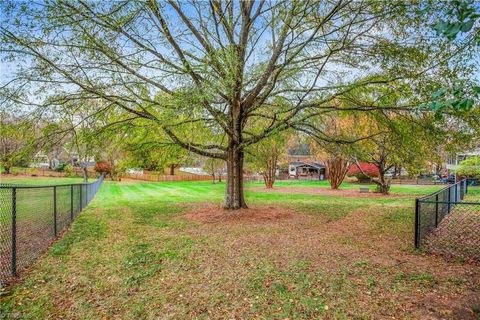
(470, 167)
(362, 177)
(68, 170)
(370, 170)
(102, 167)
(60, 167)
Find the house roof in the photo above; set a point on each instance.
(315, 165)
(297, 163)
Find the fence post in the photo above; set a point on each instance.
(14, 231)
(449, 199)
(456, 191)
(71, 202)
(436, 210)
(55, 210)
(417, 223)
(81, 196)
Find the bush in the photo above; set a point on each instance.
(32, 171)
(370, 170)
(18, 170)
(362, 177)
(102, 167)
(470, 167)
(68, 170)
(60, 167)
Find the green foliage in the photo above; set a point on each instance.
(458, 22)
(389, 138)
(470, 167)
(269, 150)
(17, 138)
(464, 16)
(68, 170)
(459, 97)
(150, 150)
(60, 167)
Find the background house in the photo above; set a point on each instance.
(303, 165)
(312, 170)
(54, 158)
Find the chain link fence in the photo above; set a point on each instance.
(445, 224)
(31, 217)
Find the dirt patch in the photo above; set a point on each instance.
(349, 249)
(350, 193)
(216, 214)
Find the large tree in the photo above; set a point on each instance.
(203, 71)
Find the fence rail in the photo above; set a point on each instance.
(447, 225)
(417, 181)
(31, 217)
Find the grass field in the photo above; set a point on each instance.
(167, 251)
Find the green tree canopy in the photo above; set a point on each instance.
(469, 167)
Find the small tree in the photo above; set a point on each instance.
(337, 168)
(16, 140)
(264, 157)
(215, 167)
(336, 151)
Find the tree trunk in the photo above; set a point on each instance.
(7, 169)
(383, 185)
(269, 173)
(438, 168)
(337, 168)
(234, 198)
(172, 169)
(395, 172)
(85, 173)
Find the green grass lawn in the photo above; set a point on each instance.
(134, 253)
(396, 188)
(473, 194)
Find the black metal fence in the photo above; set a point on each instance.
(31, 217)
(447, 225)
